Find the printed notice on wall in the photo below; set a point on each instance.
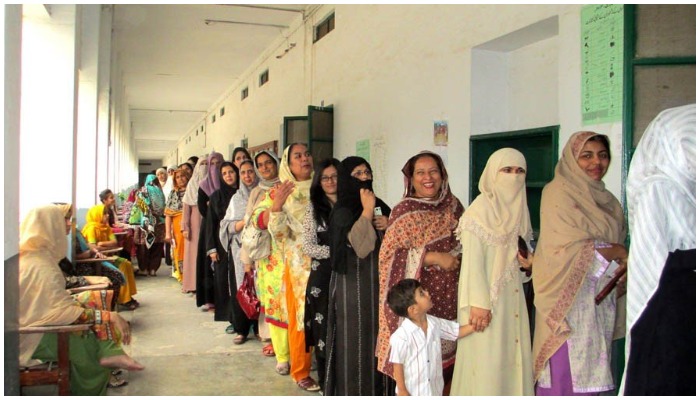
(601, 58)
(362, 149)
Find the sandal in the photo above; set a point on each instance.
(282, 369)
(115, 382)
(268, 351)
(240, 339)
(309, 384)
(230, 330)
(130, 306)
(140, 273)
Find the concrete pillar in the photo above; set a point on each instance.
(12, 49)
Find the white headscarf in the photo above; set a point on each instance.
(661, 202)
(200, 172)
(499, 215)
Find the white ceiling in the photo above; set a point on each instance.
(175, 66)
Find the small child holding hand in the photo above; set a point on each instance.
(415, 345)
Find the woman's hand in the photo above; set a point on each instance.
(445, 261)
(380, 222)
(248, 267)
(368, 200)
(480, 318)
(168, 238)
(96, 280)
(122, 326)
(525, 263)
(280, 195)
(621, 287)
(616, 252)
(214, 256)
(186, 234)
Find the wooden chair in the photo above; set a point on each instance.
(48, 373)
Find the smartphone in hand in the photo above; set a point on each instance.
(522, 247)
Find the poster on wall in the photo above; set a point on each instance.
(601, 58)
(440, 133)
(362, 149)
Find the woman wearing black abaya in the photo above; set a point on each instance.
(216, 251)
(356, 235)
(205, 276)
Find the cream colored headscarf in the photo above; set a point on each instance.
(576, 211)
(200, 172)
(43, 299)
(296, 203)
(499, 215)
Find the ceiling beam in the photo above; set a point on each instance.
(264, 7)
(223, 21)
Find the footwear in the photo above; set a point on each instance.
(115, 382)
(282, 369)
(268, 351)
(129, 306)
(140, 273)
(309, 384)
(204, 308)
(230, 330)
(240, 339)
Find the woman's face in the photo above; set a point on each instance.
(247, 174)
(181, 179)
(69, 222)
(512, 170)
(161, 176)
(229, 175)
(215, 162)
(362, 172)
(238, 158)
(594, 160)
(105, 216)
(267, 167)
(426, 179)
(329, 181)
(109, 201)
(300, 162)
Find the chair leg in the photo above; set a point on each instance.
(63, 365)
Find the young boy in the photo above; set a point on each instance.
(415, 345)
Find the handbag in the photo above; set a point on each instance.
(255, 242)
(250, 304)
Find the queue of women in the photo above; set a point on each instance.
(334, 249)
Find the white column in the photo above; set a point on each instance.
(48, 106)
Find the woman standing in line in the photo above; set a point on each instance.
(356, 231)
(267, 170)
(582, 233)
(216, 251)
(150, 233)
(497, 361)
(205, 275)
(191, 223)
(229, 236)
(173, 220)
(284, 211)
(420, 243)
(239, 155)
(317, 246)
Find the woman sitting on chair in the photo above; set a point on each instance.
(100, 237)
(42, 244)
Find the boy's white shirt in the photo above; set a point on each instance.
(421, 355)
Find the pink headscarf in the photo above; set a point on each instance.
(210, 183)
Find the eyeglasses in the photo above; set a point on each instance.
(359, 174)
(326, 179)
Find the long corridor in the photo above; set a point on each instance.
(187, 353)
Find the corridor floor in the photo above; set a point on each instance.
(187, 353)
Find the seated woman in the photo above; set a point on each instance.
(42, 244)
(127, 242)
(100, 237)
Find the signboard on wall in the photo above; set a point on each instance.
(601, 63)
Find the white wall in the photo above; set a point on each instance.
(391, 70)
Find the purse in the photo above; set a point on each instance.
(255, 242)
(250, 304)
